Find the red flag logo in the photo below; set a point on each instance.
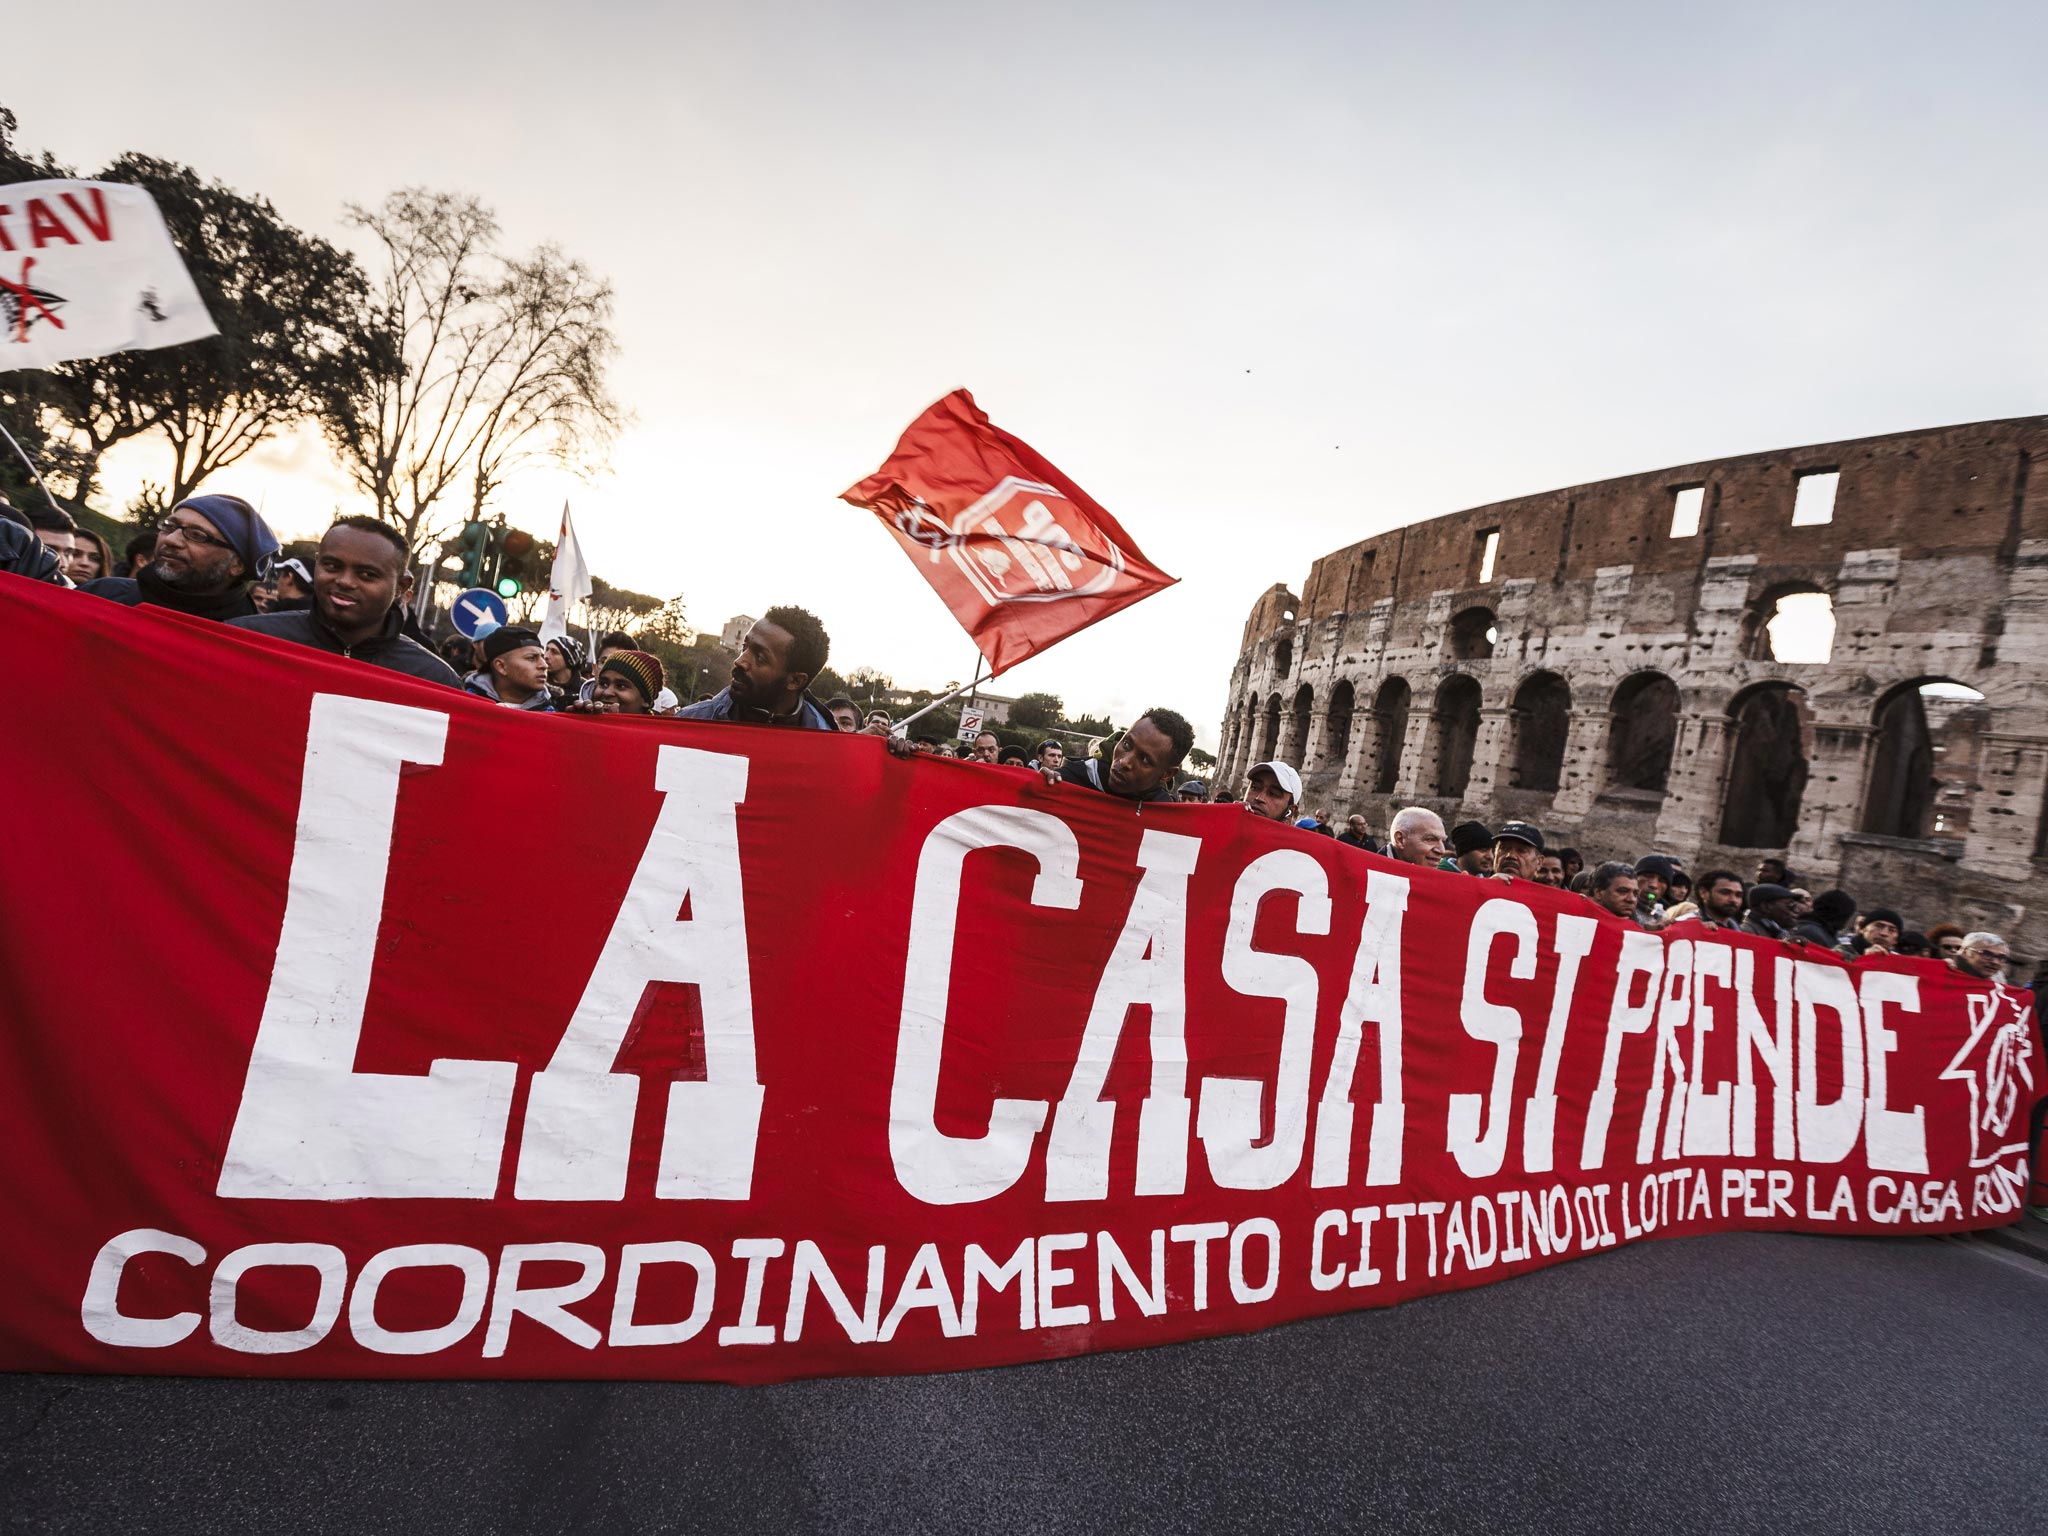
(1021, 555)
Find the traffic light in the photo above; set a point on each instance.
(475, 548)
(509, 586)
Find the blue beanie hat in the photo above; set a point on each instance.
(241, 525)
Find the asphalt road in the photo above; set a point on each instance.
(1716, 1384)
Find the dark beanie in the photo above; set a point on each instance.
(507, 637)
(1885, 915)
(240, 524)
(1656, 864)
(1470, 837)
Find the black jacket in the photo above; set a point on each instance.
(23, 554)
(135, 591)
(1091, 772)
(387, 648)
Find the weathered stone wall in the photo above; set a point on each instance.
(1606, 626)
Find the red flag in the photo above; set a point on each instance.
(1022, 555)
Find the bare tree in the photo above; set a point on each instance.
(551, 349)
(483, 363)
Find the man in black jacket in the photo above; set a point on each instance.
(1140, 765)
(361, 579)
(23, 554)
(208, 551)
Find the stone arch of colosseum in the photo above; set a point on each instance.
(1614, 677)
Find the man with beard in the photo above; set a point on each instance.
(362, 575)
(780, 655)
(208, 551)
(1720, 897)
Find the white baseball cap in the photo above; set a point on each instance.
(1283, 775)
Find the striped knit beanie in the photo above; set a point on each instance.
(643, 670)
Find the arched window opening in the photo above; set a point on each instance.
(1924, 764)
(1645, 728)
(1793, 623)
(1337, 726)
(1473, 634)
(1269, 739)
(1454, 725)
(1541, 712)
(1297, 736)
(1766, 768)
(1389, 730)
(1283, 655)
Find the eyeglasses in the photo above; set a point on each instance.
(191, 533)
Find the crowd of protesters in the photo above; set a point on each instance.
(213, 557)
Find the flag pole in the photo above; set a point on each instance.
(904, 724)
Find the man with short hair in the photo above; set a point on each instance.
(55, 529)
(515, 671)
(844, 712)
(1517, 851)
(1140, 765)
(1720, 898)
(1416, 836)
(1773, 871)
(1983, 957)
(1271, 790)
(1357, 835)
(140, 551)
(1770, 912)
(362, 576)
(1051, 756)
(209, 549)
(1612, 888)
(1471, 849)
(987, 747)
(772, 674)
(1550, 871)
(23, 554)
(878, 723)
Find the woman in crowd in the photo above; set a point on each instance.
(91, 557)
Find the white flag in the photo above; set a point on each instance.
(88, 268)
(568, 584)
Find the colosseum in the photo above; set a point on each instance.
(1832, 653)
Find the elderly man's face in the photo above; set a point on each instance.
(1420, 844)
(1987, 962)
(1512, 856)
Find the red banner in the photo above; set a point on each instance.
(1022, 555)
(356, 1027)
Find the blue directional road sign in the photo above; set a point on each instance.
(473, 608)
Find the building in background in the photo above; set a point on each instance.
(734, 635)
(1834, 653)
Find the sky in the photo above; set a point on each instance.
(1264, 279)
